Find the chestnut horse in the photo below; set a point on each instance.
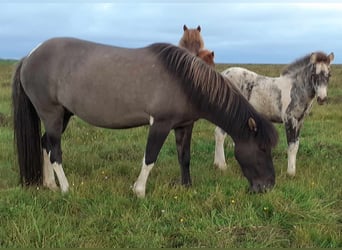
(207, 56)
(192, 40)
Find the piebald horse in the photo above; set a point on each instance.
(285, 99)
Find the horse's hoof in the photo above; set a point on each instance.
(221, 166)
(52, 186)
(291, 173)
(65, 189)
(139, 192)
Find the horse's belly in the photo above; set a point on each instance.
(112, 117)
(106, 111)
(121, 112)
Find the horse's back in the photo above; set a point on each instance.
(268, 95)
(106, 86)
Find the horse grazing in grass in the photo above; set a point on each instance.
(207, 56)
(112, 87)
(192, 40)
(286, 99)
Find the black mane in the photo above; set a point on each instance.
(215, 94)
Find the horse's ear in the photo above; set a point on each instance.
(313, 58)
(199, 28)
(331, 57)
(185, 28)
(252, 124)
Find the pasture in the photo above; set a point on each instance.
(101, 210)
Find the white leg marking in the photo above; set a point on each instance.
(48, 175)
(219, 149)
(292, 154)
(63, 182)
(139, 187)
(151, 120)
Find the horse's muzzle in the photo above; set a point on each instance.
(261, 187)
(321, 100)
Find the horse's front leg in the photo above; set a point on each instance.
(156, 138)
(183, 143)
(219, 160)
(292, 127)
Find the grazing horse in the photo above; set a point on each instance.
(112, 87)
(286, 99)
(207, 56)
(192, 40)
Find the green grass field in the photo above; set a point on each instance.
(101, 211)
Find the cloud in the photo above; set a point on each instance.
(246, 31)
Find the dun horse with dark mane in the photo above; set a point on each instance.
(111, 87)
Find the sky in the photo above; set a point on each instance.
(244, 31)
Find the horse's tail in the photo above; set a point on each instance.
(27, 133)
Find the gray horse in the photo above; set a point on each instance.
(286, 99)
(111, 87)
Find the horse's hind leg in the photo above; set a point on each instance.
(183, 142)
(219, 160)
(51, 144)
(48, 174)
(156, 138)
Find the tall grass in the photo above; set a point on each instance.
(101, 211)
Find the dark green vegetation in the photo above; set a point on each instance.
(101, 211)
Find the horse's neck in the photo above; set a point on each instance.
(218, 121)
(193, 48)
(229, 121)
(301, 96)
(302, 86)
